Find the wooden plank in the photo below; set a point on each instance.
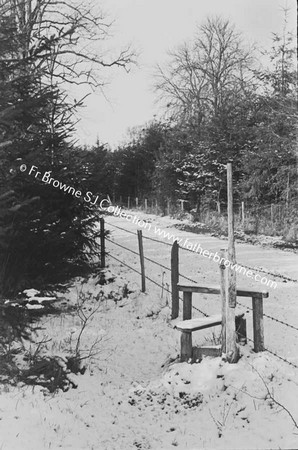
(199, 289)
(186, 346)
(258, 325)
(142, 261)
(175, 279)
(223, 300)
(102, 243)
(241, 292)
(188, 326)
(187, 305)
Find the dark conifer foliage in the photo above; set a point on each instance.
(46, 235)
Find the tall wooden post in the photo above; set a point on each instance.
(128, 202)
(242, 214)
(186, 337)
(175, 279)
(258, 327)
(168, 207)
(102, 243)
(146, 205)
(223, 255)
(231, 346)
(137, 202)
(142, 260)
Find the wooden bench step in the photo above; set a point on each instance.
(188, 326)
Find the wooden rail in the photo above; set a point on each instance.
(241, 292)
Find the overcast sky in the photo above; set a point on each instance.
(154, 27)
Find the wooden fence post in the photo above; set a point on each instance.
(231, 346)
(137, 202)
(175, 279)
(223, 300)
(102, 243)
(128, 202)
(186, 337)
(142, 261)
(258, 325)
(146, 205)
(168, 207)
(242, 214)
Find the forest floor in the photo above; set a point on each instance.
(134, 393)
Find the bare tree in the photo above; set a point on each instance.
(65, 39)
(205, 76)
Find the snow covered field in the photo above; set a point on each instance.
(134, 394)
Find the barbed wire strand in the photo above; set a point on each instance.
(191, 251)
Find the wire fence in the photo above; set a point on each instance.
(183, 276)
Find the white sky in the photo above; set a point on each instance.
(153, 27)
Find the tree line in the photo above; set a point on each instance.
(221, 104)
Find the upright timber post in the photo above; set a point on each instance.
(258, 327)
(102, 243)
(223, 299)
(242, 214)
(175, 279)
(142, 260)
(186, 337)
(231, 346)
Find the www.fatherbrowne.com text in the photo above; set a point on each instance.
(196, 247)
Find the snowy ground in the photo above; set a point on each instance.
(134, 395)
